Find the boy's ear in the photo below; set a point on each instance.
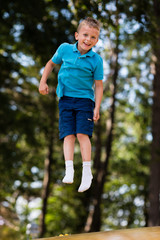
(76, 35)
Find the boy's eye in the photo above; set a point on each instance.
(85, 34)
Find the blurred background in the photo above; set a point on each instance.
(126, 141)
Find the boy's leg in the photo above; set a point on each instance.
(85, 146)
(68, 148)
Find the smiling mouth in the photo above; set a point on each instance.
(88, 45)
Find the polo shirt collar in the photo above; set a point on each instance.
(89, 54)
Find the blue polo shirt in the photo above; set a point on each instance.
(78, 72)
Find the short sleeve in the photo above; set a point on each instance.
(98, 72)
(57, 57)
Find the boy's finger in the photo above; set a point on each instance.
(96, 117)
(44, 92)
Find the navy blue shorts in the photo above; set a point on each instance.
(75, 116)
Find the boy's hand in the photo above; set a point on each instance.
(43, 88)
(96, 115)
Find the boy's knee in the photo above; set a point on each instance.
(81, 136)
(70, 137)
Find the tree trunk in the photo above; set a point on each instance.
(94, 211)
(154, 190)
(51, 114)
(46, 186)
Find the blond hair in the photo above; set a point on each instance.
(91, 22)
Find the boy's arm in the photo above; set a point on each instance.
(98, 98)
(43, 87)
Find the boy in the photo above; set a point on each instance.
(80, 69)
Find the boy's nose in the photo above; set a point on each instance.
(88, 38)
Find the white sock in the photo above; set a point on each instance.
(86, 177)
(69, 173)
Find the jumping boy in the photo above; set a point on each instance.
(79, 107)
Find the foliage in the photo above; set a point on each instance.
(8, 233)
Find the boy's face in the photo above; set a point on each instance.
(87, 38)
